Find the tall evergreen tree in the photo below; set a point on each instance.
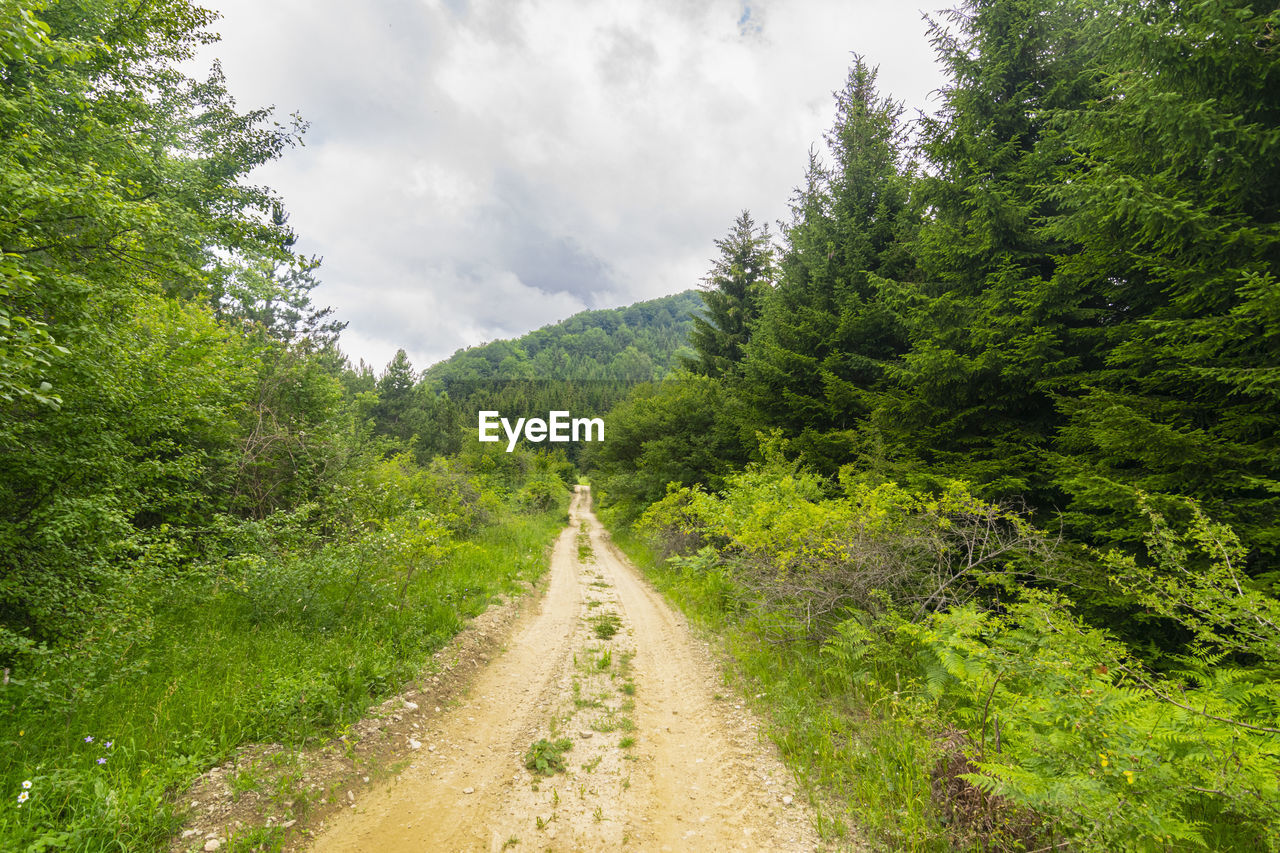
(1174, 199)
(732, 293)
(399, 412)
(994, 331)
(826, 331)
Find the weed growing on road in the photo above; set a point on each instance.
(611, 722)
(627, 742)
(547, 757)
(606, 659)
(606, 625)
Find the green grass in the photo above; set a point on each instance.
(606, 625)
(224, 663)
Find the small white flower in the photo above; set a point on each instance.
(26, 785)
(22, 798)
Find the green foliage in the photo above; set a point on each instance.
(1065, 722)
(129, 357)
(1173, 184)
(732, 295)
(814, 557)
(683, 430)
(543, 491)
(606, 625)
(546, 758)
(286, 638)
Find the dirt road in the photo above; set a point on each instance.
(662, 758)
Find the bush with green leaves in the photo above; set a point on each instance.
(546, 758)
(1065, 721)
(815, 557)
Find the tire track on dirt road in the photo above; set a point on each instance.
(659, 760)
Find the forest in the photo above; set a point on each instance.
(971, 465)
(976, 463)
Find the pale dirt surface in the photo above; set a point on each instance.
(661, 758)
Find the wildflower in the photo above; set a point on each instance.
(1128, 776)
(22, 798)
(102, 761)
(88, 738)
(26, 784)
(1103, 756)
(109, 744)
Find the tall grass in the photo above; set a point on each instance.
(288, 650)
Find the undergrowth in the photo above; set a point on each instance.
(284, 647)
(996, 719)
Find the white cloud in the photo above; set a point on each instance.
(476, 170)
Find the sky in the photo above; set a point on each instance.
(476, 169)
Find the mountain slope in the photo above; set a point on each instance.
(633, 344)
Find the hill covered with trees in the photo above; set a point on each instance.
(584, 364)
(637, 343)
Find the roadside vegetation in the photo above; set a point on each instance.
(288, 640)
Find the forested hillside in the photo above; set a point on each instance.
(977, 466)
(638, 343)
(583, 365)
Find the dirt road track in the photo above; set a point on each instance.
(662, 757)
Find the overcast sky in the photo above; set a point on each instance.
(476, 169)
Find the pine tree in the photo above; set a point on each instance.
(826, 332)
(1174, 196)
(994, 330)
(731, 295)
(399, 412)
